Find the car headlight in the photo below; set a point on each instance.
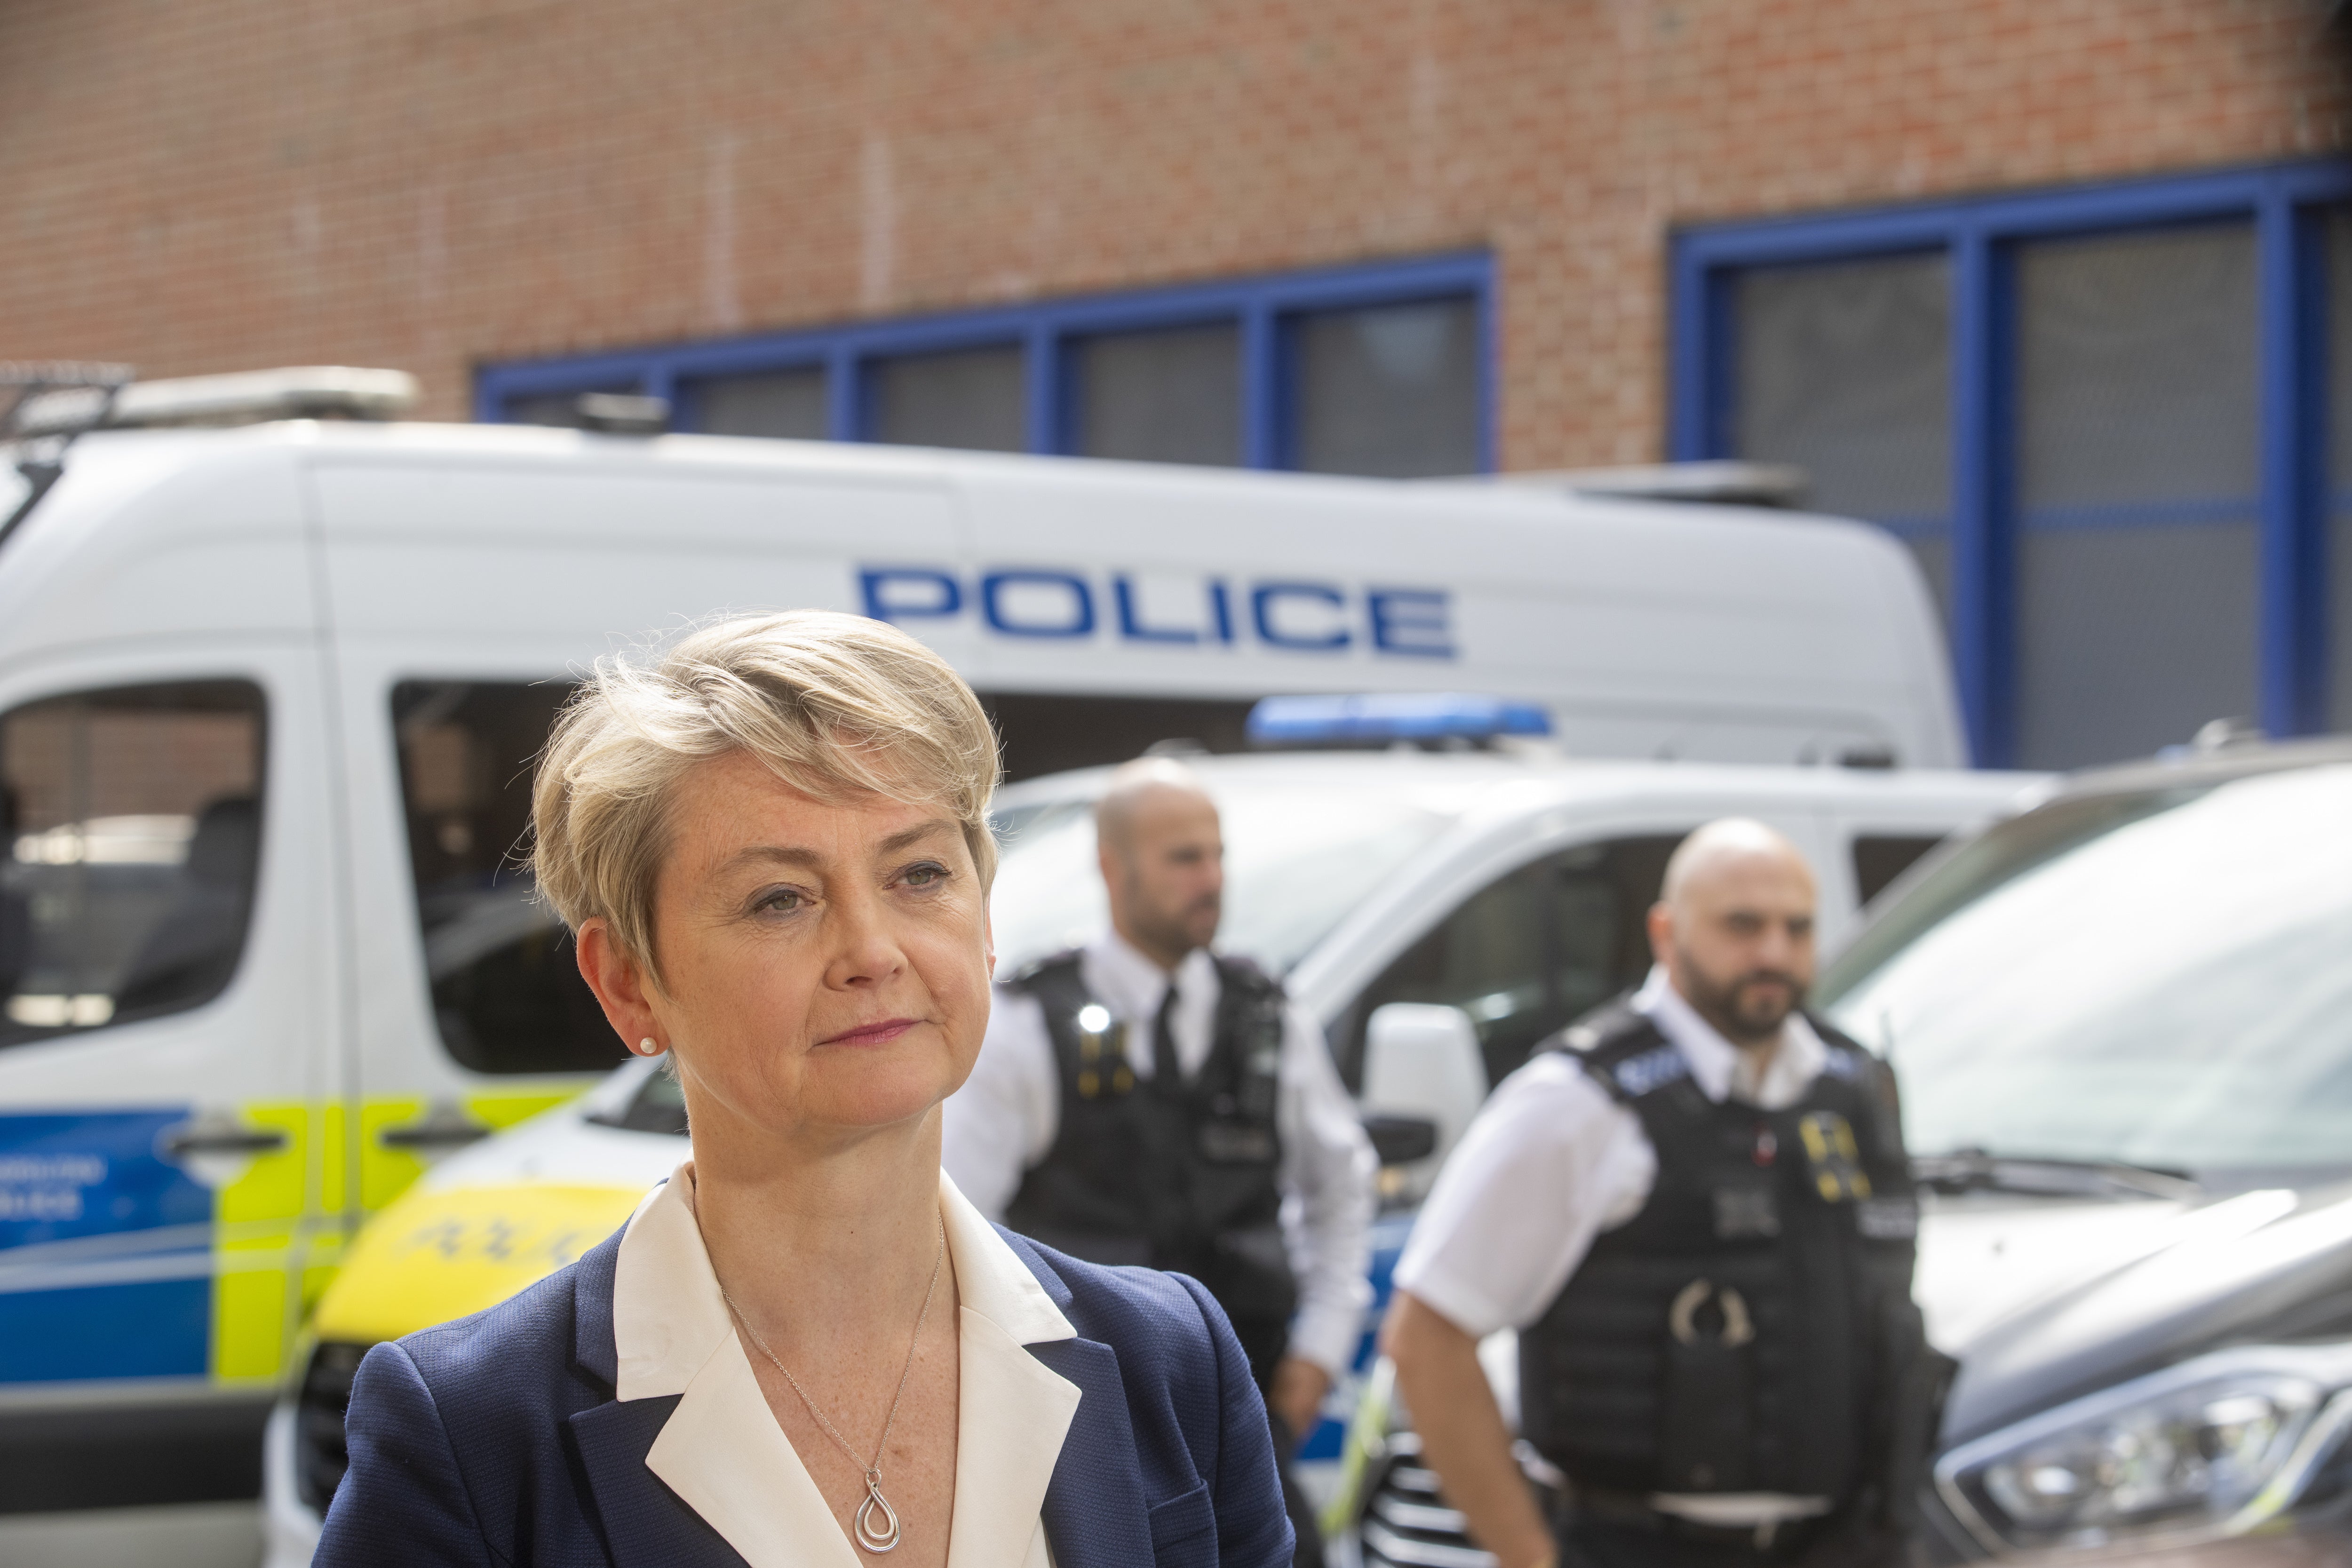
(2212, 1448)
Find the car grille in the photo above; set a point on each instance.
(320, 1456)
(1407, 1524)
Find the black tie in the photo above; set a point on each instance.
(1165, 1071)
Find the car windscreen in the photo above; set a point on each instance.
(2160, 979)
(1297, 859)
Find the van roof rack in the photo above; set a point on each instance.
(51, 406)
(24, 384)
(1719, 481)
(43, 406)
(39, 453)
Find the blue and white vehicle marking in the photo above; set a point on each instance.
(105, 1250)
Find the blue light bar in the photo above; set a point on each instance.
(1380, 718)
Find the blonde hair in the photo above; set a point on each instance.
(838, 706)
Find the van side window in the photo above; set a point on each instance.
(1879, 859)
(507, 993)
(1531, 952)
(130, 841)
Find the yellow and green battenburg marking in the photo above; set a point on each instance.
(277, 1256)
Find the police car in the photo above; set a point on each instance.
(1440, 910)
(2123, 1021)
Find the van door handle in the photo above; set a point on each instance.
(181, 1141)
(436, 1131)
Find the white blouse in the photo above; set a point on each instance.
(723, 1453)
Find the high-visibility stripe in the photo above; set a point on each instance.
(279, 1240)
(116, 1261)
(385, 1174)
(253, 1310)
(257, 1231)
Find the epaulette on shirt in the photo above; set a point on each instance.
(1623, 1052)
(1847, 1062)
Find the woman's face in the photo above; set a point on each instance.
(824, 967)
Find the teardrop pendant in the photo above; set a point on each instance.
(873, 1539)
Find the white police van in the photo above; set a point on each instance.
(267, 698)
(1440, 913)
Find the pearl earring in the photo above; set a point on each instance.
(646, 1047)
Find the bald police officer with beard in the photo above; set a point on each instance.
(1695, 1208)
(1146, 1100)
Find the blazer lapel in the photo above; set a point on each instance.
(1013, 1421)
(1093, 1508)
(646, 1525)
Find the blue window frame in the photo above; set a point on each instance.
(1269, 314)
(1988, 249)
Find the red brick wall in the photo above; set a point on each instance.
(435, 183)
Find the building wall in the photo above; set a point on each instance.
(439, 185)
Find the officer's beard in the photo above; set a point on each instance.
(1747, 1009)
(1182, 930)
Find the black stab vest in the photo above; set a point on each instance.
(1751, 1327)
(1184, 1180)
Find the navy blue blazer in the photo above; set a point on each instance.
(495, 1439)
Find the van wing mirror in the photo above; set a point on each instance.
(1421, 1063)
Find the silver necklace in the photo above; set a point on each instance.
(885, 1537)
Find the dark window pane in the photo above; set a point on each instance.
(2340, 450)
(1879, 859)
(2137, 558)
(1162, 397)
(1846, 371)
(790, 403)
(1392, 391)
(130, 841)
(2136, 361)
(1530, 952)
(974, 399)
(507, 993)
(2130, 639)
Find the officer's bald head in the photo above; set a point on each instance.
(1146, 787)
(1733, 927)
(1725, 849)
(1162, 857)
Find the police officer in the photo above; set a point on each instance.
(1146, 1100)
(1695, 1208)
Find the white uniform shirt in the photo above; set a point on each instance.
(722, 1451)
(1551, 1162)
(1005, 1118)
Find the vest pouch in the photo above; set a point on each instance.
(1707, 1401)
(1237, 1144)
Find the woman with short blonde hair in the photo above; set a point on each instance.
(772, 842)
